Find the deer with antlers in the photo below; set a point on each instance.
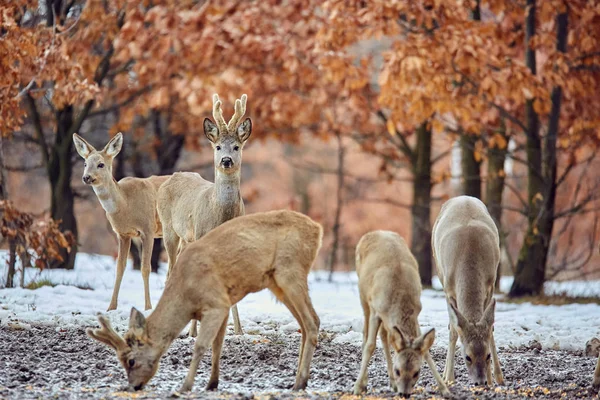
(272, 250)
(130, 206)
(189, 206)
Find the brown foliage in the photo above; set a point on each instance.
(43, 238)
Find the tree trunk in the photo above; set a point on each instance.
(12, 260)
(495, 187)
(531, 266)
(470, 166)
(421, 204)
(60, 172)
(338, 208)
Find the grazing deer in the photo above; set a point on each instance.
(190, 206)
(390, 291)
(130, 206)
(272, 250)
(466, 249)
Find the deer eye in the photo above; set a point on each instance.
(468, 359)
(131, 362)
(416, 375)
(218, 147)
(236, 148)
(397, 371)
(85, 164)
(489, 356)
(101, 165)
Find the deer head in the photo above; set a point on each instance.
(228, 140)
(98, 164)
(136, 352)
(475, 338)
(408, 358)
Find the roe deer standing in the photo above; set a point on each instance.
(466, 248)
(390, 291)
(190, 206)
(130, 206)
(272, 250)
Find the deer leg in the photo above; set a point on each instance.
(596, 381)
(383, 334)
(368, 349)
(217, 346)
(193, 328)
(212, 322)
(292, 309)
(237, 326)
(366, 312)
(124, 244)
(307, 315)
(449, 369)
(497, 369)
(147, 245)
(436, 375)
(171, 242)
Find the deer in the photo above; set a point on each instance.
(390, 289)
(466, 249)
(271, 250)
(130, 206)
(190, 206)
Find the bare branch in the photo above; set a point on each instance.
(124, 103)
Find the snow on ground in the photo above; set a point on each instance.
(565, 327)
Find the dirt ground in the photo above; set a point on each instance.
(46, 362)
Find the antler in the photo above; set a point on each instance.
(106, 334)
(218, 114)
(240, 110)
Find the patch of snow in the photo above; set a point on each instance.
(337, 303)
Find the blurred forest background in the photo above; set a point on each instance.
(366, 114)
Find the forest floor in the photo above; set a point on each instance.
(48, 362)
(44, 352)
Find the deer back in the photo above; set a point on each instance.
(389, 278)
(242, 255)
(466, 249)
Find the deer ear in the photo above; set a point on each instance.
(113, 147)
(456, 318)
(402, 342)
(424, 342)
(83, 148)
(137, 321)
(210, 130)
(244, 130)
(489, 314)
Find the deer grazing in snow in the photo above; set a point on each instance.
(190, 206)
(390, 291)
(272, 250)
(466, 248)
(130, 206)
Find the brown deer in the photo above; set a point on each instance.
(272, 250)
(390, 292)
(190, 206)
(130, 206)
(466, 248)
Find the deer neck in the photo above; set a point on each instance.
(109, 195)
(166, 322)
(227, 189)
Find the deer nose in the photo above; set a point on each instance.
(87, 179)
(227, 162)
